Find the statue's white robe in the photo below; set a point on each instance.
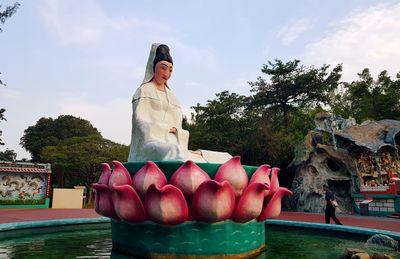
(153, 117)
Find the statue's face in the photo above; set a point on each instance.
(162, 72)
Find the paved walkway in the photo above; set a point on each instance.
(20, 215)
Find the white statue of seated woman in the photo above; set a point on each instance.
(157, 132)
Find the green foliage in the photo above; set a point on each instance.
(8, 155)
(287, 105)
(367, 98)
(228, 123)
(49, 132)
(73, 147)
(274, 144)
(2, 110)
(7, 13)
(77, 160)
(293, 85)
(221, 124)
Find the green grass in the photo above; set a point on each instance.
(22, 202)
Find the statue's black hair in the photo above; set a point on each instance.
(162, 53)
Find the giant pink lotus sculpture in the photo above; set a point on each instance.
(191, 194)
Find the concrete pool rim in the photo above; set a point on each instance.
(45, 224)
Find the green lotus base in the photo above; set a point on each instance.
(169, 167)
(225, 239)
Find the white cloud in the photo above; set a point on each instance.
(290, 32)
(369, 38)
(85, 23)
(112, 119)
(63, 20)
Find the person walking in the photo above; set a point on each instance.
(331, 205)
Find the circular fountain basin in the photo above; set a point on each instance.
(91, 238)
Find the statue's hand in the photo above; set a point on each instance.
(173, 130)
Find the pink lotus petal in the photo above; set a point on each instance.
(274, 206)
(261, 175)
(213, 201)
(119, 176)
(233, 172)
(147, 175)
(274, 186)
(166, 205)
(128, 205)
(251, 202)
(103, 201)
(105, 173)
(188, 177)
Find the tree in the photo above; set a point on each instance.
(228, 123)
(7, 13)
(293, 85)
(8, 155)
(77, 160)
(2, 110)
(49, 132)
(220, 124)
(367, 98)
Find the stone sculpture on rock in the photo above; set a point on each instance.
(345, 155)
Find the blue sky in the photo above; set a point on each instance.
(87, 57)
